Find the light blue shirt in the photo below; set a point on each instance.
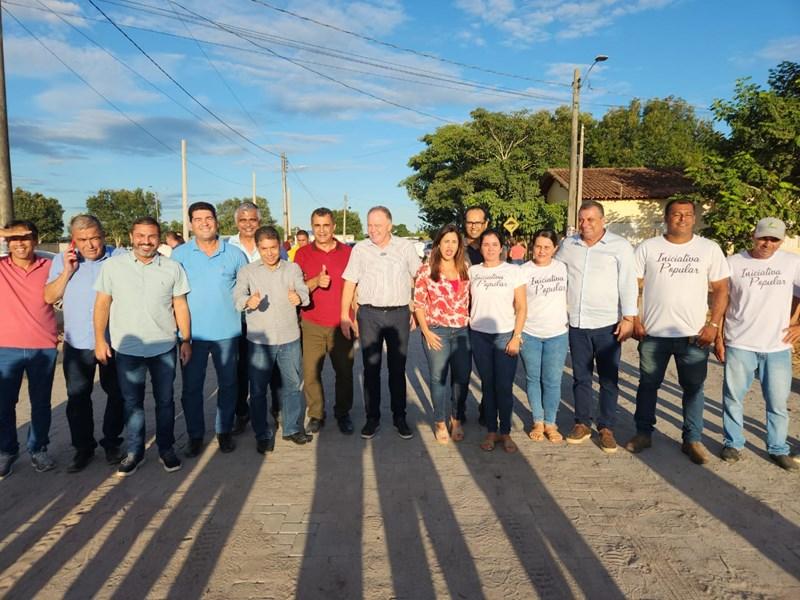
(212, 278)
(142, 321)
(601, 280)
(78, 300)
(254, 256)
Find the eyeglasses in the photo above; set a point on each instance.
(475, 223)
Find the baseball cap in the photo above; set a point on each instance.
(770, 227)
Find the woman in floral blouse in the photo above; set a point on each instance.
(441, 305)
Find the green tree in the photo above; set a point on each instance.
(400, 230)
(172, 226)
(226, 214)
(46, 213)
(755, 171)
(117, 209)
(661, 133)
(354, 226)
(495, 160)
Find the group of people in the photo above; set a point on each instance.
(268, 323)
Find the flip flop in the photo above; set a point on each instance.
(537, 432)
(489, 442)
(552, 434)
(442, 436)
(508, 444)
(456, 431)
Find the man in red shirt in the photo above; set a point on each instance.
(323, 263)
(28, 339)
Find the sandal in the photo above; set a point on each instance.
(442, 436)
(489, 442)
(537, 432)
(456, 431)
(552, 434)
(508, 444)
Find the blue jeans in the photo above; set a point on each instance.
(454, 358)
(225, 354)
(39, 364)
(263, 357)
(590, 346)
(774, 369)
(131, 371)
(544, 363)
(691, 362)
(497, 370)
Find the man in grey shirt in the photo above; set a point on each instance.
(269, 291)
(383, 267)
(143, 296)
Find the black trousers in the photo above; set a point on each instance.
(376, 326)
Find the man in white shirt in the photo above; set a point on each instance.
(758, 337)
(601, 295)
(675, 270)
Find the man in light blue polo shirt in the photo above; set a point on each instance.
(71, 279)
(141, 298)
(211, 265)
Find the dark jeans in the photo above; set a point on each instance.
(497, 370)
(79, 368)
(225, 354)
(590, 346)
(39, 364)
(376, 326)
(243, 378)
(692, 363)
(131, 372)
(319, 341)
(455, 359)
(263, 360)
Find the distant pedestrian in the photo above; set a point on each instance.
(544, 338)
(757, 339)
(301, 240)
(441, 305)
(517, 252)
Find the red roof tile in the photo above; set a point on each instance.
(624, 183)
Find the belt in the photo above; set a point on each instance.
(384, 308)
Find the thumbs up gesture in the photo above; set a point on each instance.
(253, 301)
(294, 297)
(324, 280)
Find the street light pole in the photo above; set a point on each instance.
(575, 192)
(6, 196)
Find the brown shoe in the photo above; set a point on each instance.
(638, 443)
(695, 451)
(580, 433)
(607, 442)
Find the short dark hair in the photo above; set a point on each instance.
(382, 209)
(146, 221)
(322, 212)
(495, 232)
(300, 232)
(266, 233)
(679, 201)
(546, 233)
(175, 236)
(477, 207)
(195, 206)
(587, 204)
(26, 224)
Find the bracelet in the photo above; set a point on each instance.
(714, 325)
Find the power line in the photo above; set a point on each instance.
(108, 100)
(294, 172)
(180, 86)
(401, 48)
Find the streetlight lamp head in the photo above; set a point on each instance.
(600, 58)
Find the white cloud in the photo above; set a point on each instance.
(787, 48)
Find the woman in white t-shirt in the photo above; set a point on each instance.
(544, 337)
(497, 315)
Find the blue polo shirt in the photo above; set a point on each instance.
(214, 317)
(78, 301)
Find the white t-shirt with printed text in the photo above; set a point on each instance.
(676, 278)
(546, 289)
(492, 297)
(761, 300)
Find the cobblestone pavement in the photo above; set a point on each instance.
(388, 518)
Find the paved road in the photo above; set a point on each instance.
(388, 518)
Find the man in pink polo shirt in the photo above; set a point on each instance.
(28, 339)
(323, 263)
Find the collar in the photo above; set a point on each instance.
(156, 259)
(220, 247)
(337, 246)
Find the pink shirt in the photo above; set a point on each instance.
(445, 304)
(26, 320)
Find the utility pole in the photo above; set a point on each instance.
(6, 196)
(254, 187)
(573, 201)
(289, 210)
(285, 197)
(580, 167)
(185, 192)
(344, 218)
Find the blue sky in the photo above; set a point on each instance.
(68, 142)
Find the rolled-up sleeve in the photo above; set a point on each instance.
(353, 270)
(300, 284)
(241, 290)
